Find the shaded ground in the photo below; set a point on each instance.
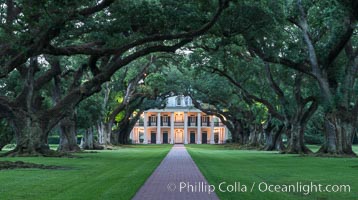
(19, 164)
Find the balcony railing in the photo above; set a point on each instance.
(178, 123)
(165, 123)
(181, 123)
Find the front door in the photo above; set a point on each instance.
(179, 136)
(192, 138)
(165, 138)
(205, 138)
(153, 138)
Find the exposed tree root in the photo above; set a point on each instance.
(323, 152)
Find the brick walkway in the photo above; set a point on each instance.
(174, 171)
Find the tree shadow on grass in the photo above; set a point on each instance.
(7, 165)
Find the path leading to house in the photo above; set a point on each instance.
(177, 177)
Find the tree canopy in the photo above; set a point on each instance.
(272, 71)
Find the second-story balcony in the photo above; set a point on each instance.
(181, 124)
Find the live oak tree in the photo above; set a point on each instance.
(228, 53)
(67, 127)
(277, 61)
(312, 40)
(319, 44)
(140, 87)
(341, 111)
(87, 114)
(105, 32)
(216, 96)
(121, 91)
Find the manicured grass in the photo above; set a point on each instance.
(218, 164)
(115, 174)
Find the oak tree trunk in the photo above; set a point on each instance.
(296, 140)
(104, 133)
(87, 141)
(254, 136)
(68, 137)
(273, 141)
(339, 134)
(31, 138)
(237, 135)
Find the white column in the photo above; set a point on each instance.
(172, 128)
(145, 121)
(223, 135)
(199, 128)
(158, 129)
(131, 135)
(226, 133)
(185, 128)
(212, 130)
(136, 135)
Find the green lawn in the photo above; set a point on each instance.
(218, 164)
(115, 174)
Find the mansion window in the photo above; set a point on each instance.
(152, 120)
(192, 119)
(165, 118)
(204, 119)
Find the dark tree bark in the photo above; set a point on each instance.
(30, 128)
(254, 136)
(300, 119)
(237, 134)
(88, 142)
(125, 130)
(273, 137)
(31, 138)
(6, 134)
(339, 133)
(67, 126)
(68, 137)
(122, 133)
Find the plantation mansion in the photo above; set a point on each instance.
(178, 122)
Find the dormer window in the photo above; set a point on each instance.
(178, 101)
(186, 101)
